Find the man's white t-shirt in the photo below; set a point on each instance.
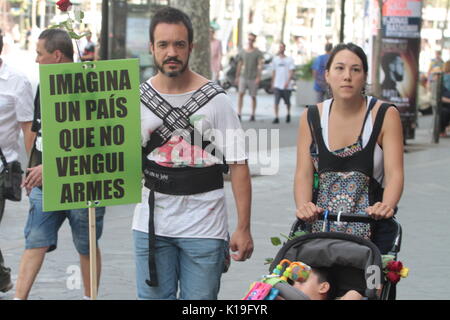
(201, 215)
(282, 66)
(16, 105)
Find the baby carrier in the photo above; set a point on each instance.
(176, 181)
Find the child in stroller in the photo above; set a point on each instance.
(353, 263)
(319, 286)
(354, 266)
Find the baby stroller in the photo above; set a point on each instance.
(352, 260)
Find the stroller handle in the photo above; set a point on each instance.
(344, 217)
(332, 216)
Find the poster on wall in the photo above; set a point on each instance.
(402, 18)
(399, 61)
(399, 73)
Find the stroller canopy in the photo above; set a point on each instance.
(348, 258)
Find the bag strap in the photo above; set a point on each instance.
(378, 124)
(372, 103)
(314, 124)
(5, 163)
(152, 281)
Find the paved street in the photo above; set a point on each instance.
(423, 213)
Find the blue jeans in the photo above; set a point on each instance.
(42, 227)
(195, 265)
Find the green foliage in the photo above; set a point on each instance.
(386, 259)
(298, 234)
(304, 71)
(276, 241)
(79, 16)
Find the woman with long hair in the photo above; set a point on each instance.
(353, 144)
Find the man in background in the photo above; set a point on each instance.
(248, 74)
(16, 113)
(41, 231)
(436, 64)
(89, 49)
(283, 71)
(216, 55)
(319, 66)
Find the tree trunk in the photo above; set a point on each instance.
(198, 11)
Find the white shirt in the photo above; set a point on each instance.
(201, 215)
(16, 105)
(282, 66)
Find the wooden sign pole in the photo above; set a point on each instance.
(93, 253)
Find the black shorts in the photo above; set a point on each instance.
(285, 94)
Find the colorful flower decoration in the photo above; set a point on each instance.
(394, 270)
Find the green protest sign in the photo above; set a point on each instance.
(91, 134)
